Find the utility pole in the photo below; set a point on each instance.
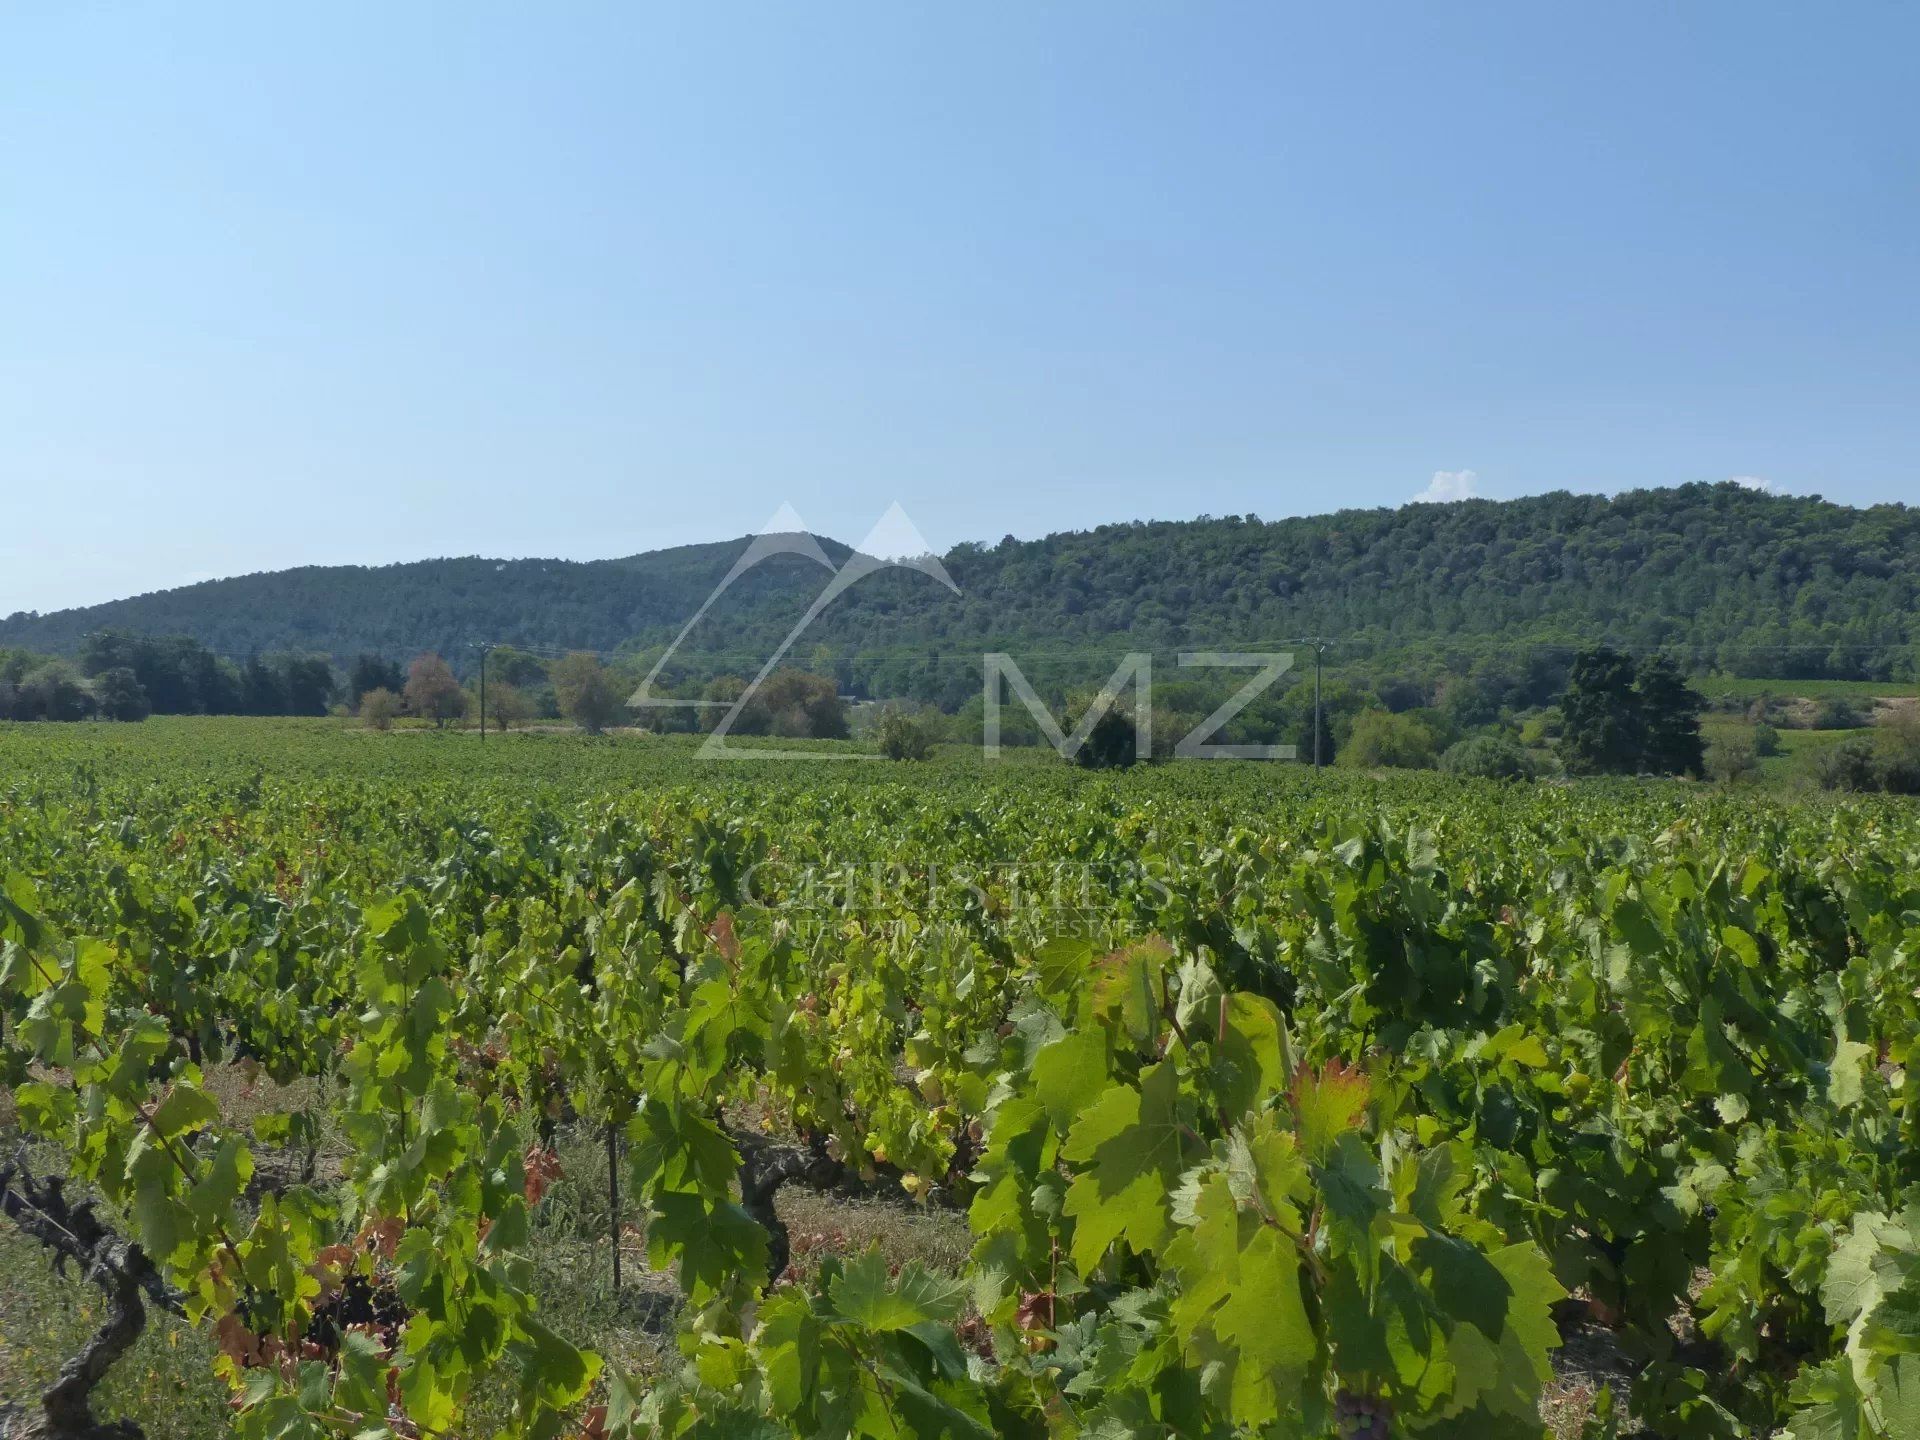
(1319, 649)
(484, 650)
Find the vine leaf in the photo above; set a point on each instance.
(863, 1294)
(1240, 1305)
(1130, 1140)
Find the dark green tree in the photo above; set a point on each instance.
(1670, 720)
(1619, 719)
(54, 691)
(119, 696)
(1112, 744)
(307, 683)
(373, 672)
(262, 689)
(1602, 728)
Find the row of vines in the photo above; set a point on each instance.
(1274, 1107)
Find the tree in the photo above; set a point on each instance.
(378, 707)
(1619, 720)
(903, 736)
(54, 691)
(1852, 764)
(799, 706)
(586, 692)
(179, 674)
(1766, 740)
(724, 690)
(432, 692)
(308, 682)
(1669, 719)
(119, 695)
(372, 672)
(1601, 728)
(516, 667)
(1731, 759)
(507, 705)
(1112, 744)
(262, 689)
(1382, 738)
(1888, 761)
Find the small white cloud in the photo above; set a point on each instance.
(1449, 485)
(1754, 482)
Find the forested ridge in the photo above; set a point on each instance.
(1725, 577)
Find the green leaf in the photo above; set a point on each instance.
(788, 1344)
(714, 1241)
(863, 1294)
(1846, 1077)
(1063, 963)
(185, 1109)
(1256, 1050)
(1327, 1105)
(1130, 1143)
(553, 1372)
(1465, 1281)
(1714, 1067)
(677, 1148)
(1853, 1284)
(1070, 1073)
(1128, 985)
(1240, 1306)
(1830, 1405)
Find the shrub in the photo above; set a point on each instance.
(1766, 740)
(378, 707)
(1888, 762)
(1849, 765)
(1899, 747)
(1382, 738)
(793, 704)
(1836, 712)
(1491, 757)
(1732, 759)
(903, 736)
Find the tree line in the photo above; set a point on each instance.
(1595, 712)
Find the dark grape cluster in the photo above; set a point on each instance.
(1360, 1417)
(358, 1302)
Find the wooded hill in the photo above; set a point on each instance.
(1724, 577)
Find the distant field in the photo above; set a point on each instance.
(1752, 689)
(1795, 745)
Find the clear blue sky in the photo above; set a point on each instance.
(368, 282)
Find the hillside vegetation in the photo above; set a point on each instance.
(1725, 578)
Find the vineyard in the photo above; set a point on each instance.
(1265, 1104)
